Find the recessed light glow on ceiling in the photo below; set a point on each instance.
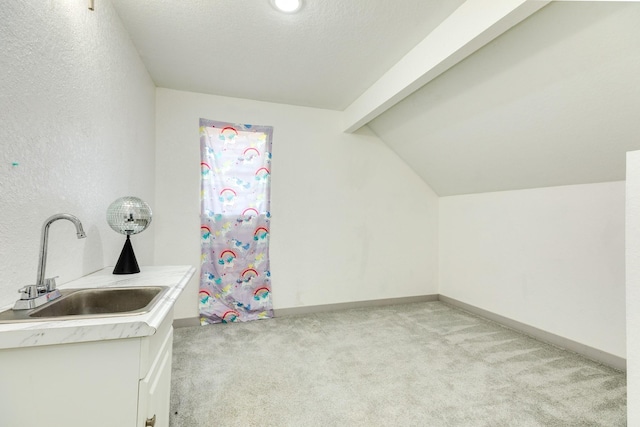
(287, 6)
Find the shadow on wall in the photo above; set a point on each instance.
(93, 250)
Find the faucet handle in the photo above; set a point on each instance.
(50, 283)
(28, 292)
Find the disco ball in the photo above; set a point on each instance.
(128, 216)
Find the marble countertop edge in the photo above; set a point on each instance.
(28, 334)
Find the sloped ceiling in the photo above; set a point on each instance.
(553, 101)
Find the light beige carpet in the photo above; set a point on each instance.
(423, 364)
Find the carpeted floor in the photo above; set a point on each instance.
(423, 364)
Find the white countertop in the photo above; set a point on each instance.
(28, 334)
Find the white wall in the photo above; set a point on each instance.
(77, 109)
(351, 221)
(552, 258)
(633, 286)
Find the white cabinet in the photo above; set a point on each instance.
(155, 389)
(121, 382)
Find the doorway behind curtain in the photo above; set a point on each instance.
(235, 281)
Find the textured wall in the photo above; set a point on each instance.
(552, 258)
(351, 221)
(77, 112)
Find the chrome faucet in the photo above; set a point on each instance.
(45, 290)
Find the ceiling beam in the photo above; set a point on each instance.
(474, 24)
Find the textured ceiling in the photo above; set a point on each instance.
(553, 101)
(325, 56)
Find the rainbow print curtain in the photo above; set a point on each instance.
(235, 280)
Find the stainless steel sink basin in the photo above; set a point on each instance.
(90, 303)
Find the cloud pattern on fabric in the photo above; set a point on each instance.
(235, 280)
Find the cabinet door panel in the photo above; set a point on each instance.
(72, 385)
(155, 388)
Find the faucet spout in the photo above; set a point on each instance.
(44, 240)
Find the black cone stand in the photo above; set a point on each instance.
(127, 263)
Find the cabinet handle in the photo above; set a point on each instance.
(151, 422)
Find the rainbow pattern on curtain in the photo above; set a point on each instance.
(235, 281)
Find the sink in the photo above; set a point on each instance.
(91, 303)
(100, 301)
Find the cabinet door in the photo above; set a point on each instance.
(155, 389)
(83, 384)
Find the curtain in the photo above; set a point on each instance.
(235, 281)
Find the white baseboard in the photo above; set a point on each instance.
(594, 354)
(297, 311)
(186, 322)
